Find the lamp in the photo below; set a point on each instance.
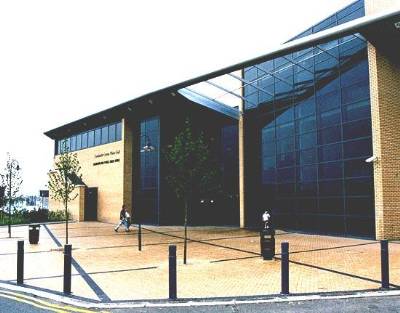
(148, 147)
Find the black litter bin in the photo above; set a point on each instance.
(267, 242)
(34, 233)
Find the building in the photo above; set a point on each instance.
(312, 112)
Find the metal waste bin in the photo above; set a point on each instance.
(34, 233)
(267, 243)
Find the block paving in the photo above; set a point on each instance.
(222, 262)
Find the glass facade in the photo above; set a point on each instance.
(314, 110)
(94, 137)
(149, 186)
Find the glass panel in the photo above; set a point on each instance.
(356, 111)
(328, 135)
(73, 143)
(330, 152)
(357, 129)
(331, 206)
(330, 170)
(78, 142)
(91, 138)
(84, 140)
(111, 132)
(104, 135)
(358, 148)
(119, 131)
(357, 168)
(97, 136)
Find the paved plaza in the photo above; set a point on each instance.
(222, 262)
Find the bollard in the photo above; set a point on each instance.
(172, 272)
(385, 264)
(67, 268)
(285, 268)
(140, 237)
(20, 262)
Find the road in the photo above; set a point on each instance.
(14, 302)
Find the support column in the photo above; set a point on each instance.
(385, 115)
(241, 166)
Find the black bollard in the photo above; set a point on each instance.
(285, 268)
(20, 262)
(140, 237)
(385, 264)
(172, 272)
(67, 268)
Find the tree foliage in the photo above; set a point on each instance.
(191, 169)
(63, 180)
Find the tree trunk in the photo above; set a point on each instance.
(185, 240)
(66, 222)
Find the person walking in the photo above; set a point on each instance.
(123, 219)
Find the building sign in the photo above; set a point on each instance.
(107, 155)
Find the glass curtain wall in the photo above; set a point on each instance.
(149, 170)
(314, 110)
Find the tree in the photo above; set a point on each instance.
(63, 180)
(11, 181)
(191, 170)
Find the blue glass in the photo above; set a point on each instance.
(285, 145)
(286, 174)
(328, 101)
(359, 186)
(149, 161)
(78, 142)
(84, 140)
(330, 152)
(285, 130)
(118, 135)
(104, 135)
(111, 132)
(285, 159)
(356, 111)
(306, 124)
(329, 135)
(307, 173)
(284, 116)
(73, 143)
(331, 170)
(329, 118)
(91, 138)
(357, 129)
(305, 107)
(331, 205)
(358, 168)
(306, 141)
(97, 136)
(355, 73)
(268, 134)
(308, 156)
(331, 188)
(355, 92)
(358, 148)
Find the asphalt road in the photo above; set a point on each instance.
(14, 303)
(361, 305)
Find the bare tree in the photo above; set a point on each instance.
(63, 180)
(12, 181)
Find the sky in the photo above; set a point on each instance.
(63, 60)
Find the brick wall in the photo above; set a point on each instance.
(113, 180)
(385, 114)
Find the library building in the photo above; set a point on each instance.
(308, 131)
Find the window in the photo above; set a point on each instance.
(84, 140)
(73, 143)
(97, 136)
(119, 131)
(78, 142)
(111, 132)
(104, 135)
(91, 138)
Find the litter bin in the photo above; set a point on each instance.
(267, 242)
(34, 233)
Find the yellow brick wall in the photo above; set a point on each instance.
(113, 180)
(385, 115)
(75, 207)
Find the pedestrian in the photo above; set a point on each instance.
(123, 219)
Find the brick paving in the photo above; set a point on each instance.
(222, 261)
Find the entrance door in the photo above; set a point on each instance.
(91, 204)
